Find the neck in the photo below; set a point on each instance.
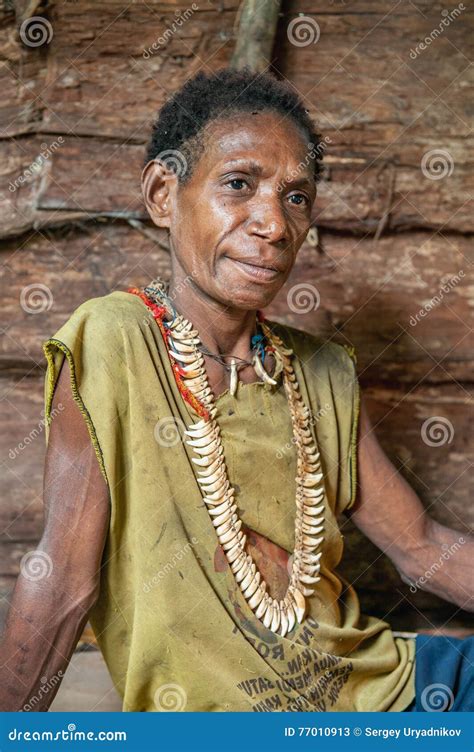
(222, 329)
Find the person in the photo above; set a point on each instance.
(199, 455)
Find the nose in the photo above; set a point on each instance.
(267, 220)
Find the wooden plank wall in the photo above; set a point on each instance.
(393, 225)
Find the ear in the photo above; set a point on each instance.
(159, 186)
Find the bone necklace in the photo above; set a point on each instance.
(280, 616)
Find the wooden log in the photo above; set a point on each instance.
(49, 276)
(380, 121)
(374, 305)
(83, 178)
(405, 303)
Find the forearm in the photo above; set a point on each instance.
(442, 564)
(42, 629)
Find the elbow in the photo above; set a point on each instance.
(89, 595)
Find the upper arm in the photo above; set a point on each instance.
(76, 498)
(386, 509)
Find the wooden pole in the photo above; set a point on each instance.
(257, 23)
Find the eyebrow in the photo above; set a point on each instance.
(253, 166)
(257, 169)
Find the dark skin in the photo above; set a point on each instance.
(47, 616)
(225, 213)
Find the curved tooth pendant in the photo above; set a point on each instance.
(205, 441)
(233, 378)
(260, 371)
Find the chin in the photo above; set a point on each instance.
(249, 296)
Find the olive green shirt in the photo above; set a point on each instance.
(173, 626)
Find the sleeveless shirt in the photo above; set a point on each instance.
(174, 629)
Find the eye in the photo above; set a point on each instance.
(301, 199)
(240, 183)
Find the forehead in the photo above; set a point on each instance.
(270, 136)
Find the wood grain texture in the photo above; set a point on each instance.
(370, 294)
(100, 84)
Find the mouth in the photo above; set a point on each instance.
(257, 271)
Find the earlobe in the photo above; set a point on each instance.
(157, 184)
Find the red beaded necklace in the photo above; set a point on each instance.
(159, 313)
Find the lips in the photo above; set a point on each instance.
(255, 269)
(257, 262)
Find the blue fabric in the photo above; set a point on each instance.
(444, 674)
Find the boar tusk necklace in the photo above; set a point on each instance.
(280, 616)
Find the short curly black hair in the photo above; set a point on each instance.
(177, 131)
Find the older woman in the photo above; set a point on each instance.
(200, 454)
